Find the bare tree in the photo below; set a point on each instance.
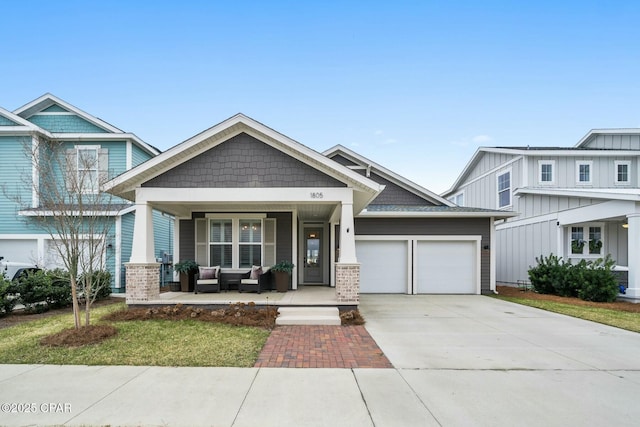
(67, 204)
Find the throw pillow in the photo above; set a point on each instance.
(207, 273)
(256, 271)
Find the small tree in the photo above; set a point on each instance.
(67, 204)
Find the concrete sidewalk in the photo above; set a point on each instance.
(459, 360)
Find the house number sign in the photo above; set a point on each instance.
(317, 195)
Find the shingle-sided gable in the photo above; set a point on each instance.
(64, 123)
(243, 162)
(6, 122)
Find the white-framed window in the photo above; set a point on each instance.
(546, 171)
(586, 240)
(235, 241)
(87, 169)
(458, 198)
(584, 172)
(622, 172)
(504, 189)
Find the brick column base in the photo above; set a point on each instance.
(143, 282)
(348, 283)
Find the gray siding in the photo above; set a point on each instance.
(343, 161)
(243, 162)
(602, 173)
(396, 195)
(434, 227)
(615, 142)
(481, 187)
(187, 240)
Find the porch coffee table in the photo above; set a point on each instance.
(229, 279)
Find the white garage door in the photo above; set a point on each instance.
(446, 267)
(383, 266)
(17, 250)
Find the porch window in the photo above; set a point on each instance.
(586, 240)
(235, 241)
(250, 247)
(221, 243)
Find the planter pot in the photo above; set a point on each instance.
(282, 281)
(174, 287)
(187, 282)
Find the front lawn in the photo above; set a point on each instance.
(138, 342)
(622, 315)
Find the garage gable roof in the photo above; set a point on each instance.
(125, 184)
(371, 166)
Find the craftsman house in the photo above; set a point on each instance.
(243, 194)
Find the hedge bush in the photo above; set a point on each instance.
(587, 280)
(33, 289)
(100, 284)
(8, 298)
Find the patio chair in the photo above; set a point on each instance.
(256, 280)
(207, 280)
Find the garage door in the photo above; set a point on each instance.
(383, 266)
(446, 267)
(17, 250)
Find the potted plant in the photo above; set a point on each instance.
(187, 270)
(282, 271)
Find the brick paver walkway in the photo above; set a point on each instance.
(321, 347)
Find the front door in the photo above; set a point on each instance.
(313, 261)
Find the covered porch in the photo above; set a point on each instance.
(609, 228)
(304, 296)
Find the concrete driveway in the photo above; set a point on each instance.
(475, 360)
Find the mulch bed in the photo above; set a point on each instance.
(518, 293)
(321, 347)
(85, 335)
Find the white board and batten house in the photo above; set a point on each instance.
(578, 202)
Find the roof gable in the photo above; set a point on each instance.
(398, 190)
(10, 122)
(242, 161)
(124, 185)
(60, 116)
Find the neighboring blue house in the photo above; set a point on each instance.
(52, 119)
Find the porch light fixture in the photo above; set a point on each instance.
(625, 225)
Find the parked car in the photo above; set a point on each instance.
(14, 270)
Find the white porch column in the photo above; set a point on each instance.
(347, 267)
(347, 235)
(143, 249)
(143, 272)
(634, 255)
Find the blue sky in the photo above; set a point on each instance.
(416, 86)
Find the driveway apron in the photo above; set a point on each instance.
(475, 360)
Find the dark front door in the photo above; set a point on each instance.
(313, 262)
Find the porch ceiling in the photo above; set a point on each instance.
(306, 211)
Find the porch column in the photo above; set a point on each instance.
(633, 231)
(142, 270)
(347, 267)
(347, 239)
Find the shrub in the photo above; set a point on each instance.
(8, 299)
(572, 280)
(545, 277)
(587, 280)
(59, 294)
(100, 284)
(34, 288)
(599, 283)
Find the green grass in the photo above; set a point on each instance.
(149, 342)
(619, 319)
